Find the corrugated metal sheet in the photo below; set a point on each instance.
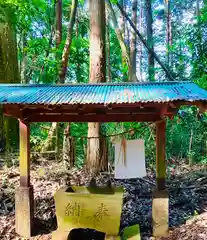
(101, 93)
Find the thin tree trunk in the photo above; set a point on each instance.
(167, 72)
(24, 59)
(108, 50)
(190, 156)
(139, 69)
(122, 23)
(58, 37)
(123, 32)
(133, 48)
(97, 74)
(62, 76)
(149, 20)
(66, 50)
(58, 32)
(125, 50)
(58, 128)
(78, 65)
(68, 148)
(48, 143)
(168, 33)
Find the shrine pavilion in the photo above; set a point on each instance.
(110, 102)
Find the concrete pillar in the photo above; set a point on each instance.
(160, 213)
(24, 211)
(24, 200)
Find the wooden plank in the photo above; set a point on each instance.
(24, 154)
(160, 154)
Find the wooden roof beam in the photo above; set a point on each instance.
(12, 110)
(93, 118)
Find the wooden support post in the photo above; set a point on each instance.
(160, 203)
(24, 199)
(160, 154)
(24, 154)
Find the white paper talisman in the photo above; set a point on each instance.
(130, 159)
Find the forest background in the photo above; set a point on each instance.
(46, 41)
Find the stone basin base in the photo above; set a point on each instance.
(88, 208)
(61, 235)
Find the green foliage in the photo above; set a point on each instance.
(179, 134)
(35, 24)
(114, 1)
(39, 133)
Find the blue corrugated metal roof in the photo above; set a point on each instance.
(158, 92)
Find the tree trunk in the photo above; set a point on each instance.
(24, 59)
(58, 127)
(139, 68)
(122, 23)
(123, 32)
(68, 148)
(108, 50)
(9, 73)
(58, 37)
(49, 142)
(97, 75)
(2, 134)
(150, 50)
(125, 51)
(61, 143)
(66, 50)
(78, 65)
(58, 32)
(149, 20)
(133, 48)
(168, 33)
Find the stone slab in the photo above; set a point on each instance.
(24, 211)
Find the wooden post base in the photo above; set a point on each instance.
(24, 211)
(160, 213)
